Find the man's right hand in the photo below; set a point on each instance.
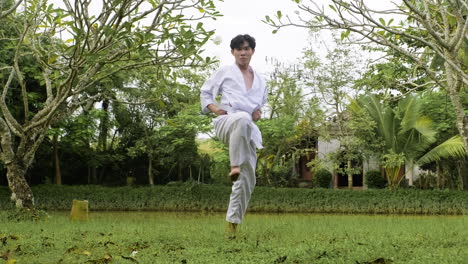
(216, 110)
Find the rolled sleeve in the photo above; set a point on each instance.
(210, 90)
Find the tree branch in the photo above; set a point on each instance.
(11, 10)
(10, 120)
(7, 153)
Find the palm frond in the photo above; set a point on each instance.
(451, 148)
(409, 111)
(424, 126)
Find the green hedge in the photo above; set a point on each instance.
(265, 199)
(322, 178)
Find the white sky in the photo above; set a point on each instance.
(244, 17)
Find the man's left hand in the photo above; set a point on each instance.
(256, 115)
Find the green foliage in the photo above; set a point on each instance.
(218, 154)
(282, 174)
(451, 148)
(285, 92)
(419, 48)
(374, 179)
(332, 77)
(386, 78)
(278, 134)
(322, 178)
(49, 82)
(437, 106)
(393, 162)
(426, 181)
(276, 131)
(404, 133)
(289, 130)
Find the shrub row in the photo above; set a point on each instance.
(193, 197)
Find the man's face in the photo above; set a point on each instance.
(243, 54)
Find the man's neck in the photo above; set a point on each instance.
(243, 68)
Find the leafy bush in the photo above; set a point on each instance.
(322, 178)
(281, 172)
(426, 181)
(374, 179)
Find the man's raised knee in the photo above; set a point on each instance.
(243, 119)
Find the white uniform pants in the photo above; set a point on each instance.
(235, 130)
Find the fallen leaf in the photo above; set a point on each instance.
(109, 243)
(234, 250)
(5, 255)
(76, 250)
(323, 254)
(105, 259)
(71, 250)
(381, 261)
(18, 248)
(280, 259)
(3, 240)
(130, 258)
(377, 261)
(13, 237)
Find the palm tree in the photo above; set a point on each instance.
(451, 148)
(404, 132)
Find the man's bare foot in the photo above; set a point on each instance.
(231, 230)
(234, 174)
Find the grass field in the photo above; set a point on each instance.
(148, 237)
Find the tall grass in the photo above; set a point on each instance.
(264, 199)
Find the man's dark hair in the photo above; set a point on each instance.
(237, 41)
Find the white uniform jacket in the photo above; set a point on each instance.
(229, 82)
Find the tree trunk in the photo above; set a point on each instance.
(394, 176)
(179, 176)
(89, 174)
(104, 126)
(464, 174)
(410, 171)
(459, 181)
(94, 178)
(58, 173)
(102, 174)
(21, 194)
(150, 172)
(454, 84)
(438, 175)
(203, 171)
(350, 176)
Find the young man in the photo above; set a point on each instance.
(243, 95)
